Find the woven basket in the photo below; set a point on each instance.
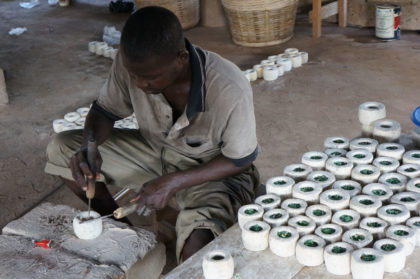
(187, 11)
(258, 23)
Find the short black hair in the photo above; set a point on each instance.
(151, 31)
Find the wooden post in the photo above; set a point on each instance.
(342, 13)
(4, 98)
(316, 18)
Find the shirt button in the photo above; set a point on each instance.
(168, 116)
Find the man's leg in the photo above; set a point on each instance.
(209, 209)
(127, 162)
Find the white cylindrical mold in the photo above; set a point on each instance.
(367, 263)
(337, 142)
(351, 187)
(310, 250)
(337, 258)
(282, 241)
(392, 150)
(367, 130)
(255, 235)
(71, 116)
(321, 214)
(305, 57)
(92, 46)
(107, 51)
(395, 181)
(100, 48)
(290, 51)
(218, 264)
(276, 217)
(298, 172)
(364, 143)
(303, 224)
(308, 191)
(359, 238)
(294, 207)
(69, 126)
(286, 62)
(324, 178)
(365, 174)
(411, 157)
(83, 111)
(58, 125)
(366, 205)
(394, 213)
(87, 230)
(386, 164)
(270, 73)
(280, 68)
(408, 199)
(347, 219)
(336, 199)
(371, 111)
(280, 185)
(386, 130)
(405, 235)
(376, 226)
(272, 58)
(360, 157)
(413, 185)
(394, 256)
(316, 160)
(249, 212)
(414, 223)
(253, 75)
(267, 62)
(296, 60)
(329, 232)
(382, 192)
(259, 69)
(335, 152)
(409, 170)
(268, 201)
(340, 167)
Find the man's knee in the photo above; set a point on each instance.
(61, 148)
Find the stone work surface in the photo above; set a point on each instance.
(20, 258)
(118, 244)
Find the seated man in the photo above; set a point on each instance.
(196, 139)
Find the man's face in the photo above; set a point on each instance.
(154, 74)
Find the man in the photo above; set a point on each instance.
(196, 140)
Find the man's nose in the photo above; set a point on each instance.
(142, 83)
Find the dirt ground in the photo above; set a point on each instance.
(50, 72)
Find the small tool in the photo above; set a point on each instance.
(121, 212)
(91, 154)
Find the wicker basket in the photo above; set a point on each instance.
(187, 11)
(258, 23)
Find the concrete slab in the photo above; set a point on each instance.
(118, 244)
(248, 265)
(19, 258)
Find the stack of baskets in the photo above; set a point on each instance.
(188, 11)
(258, 23)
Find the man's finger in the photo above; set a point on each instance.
(85, 169)
(77, 174)
(136, 198)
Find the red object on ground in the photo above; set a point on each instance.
(45, 243)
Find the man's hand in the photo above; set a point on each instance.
(156, 193)
(80, 168)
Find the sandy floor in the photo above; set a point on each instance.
(50, 72)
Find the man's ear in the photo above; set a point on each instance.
(183, 56)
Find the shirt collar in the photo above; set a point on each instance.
(197, 94)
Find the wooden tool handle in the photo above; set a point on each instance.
(90, 192)
(126, 210)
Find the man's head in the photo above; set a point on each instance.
(153, 48)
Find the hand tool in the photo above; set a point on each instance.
(91, 157)
(122, 212)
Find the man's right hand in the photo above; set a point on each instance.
(80, 168)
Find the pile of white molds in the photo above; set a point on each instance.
(76, 120)
(118, 247)
(102, 48)
(277, 65)
(353, 206)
